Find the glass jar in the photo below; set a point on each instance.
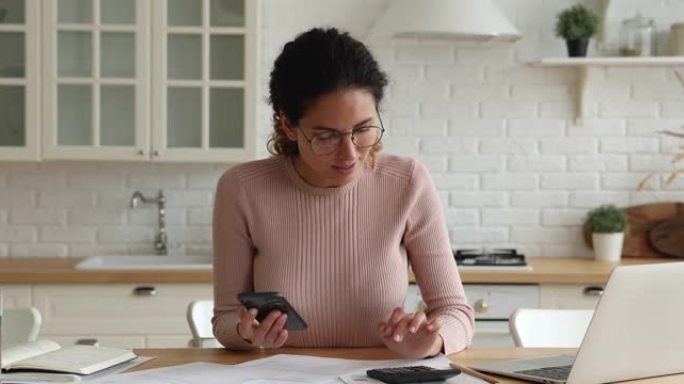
(637, 36)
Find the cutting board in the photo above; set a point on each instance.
(668, 237)
(640, 220)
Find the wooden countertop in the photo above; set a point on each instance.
(63, 271)
(171, 357)
(547, 270)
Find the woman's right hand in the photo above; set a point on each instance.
(269, 333)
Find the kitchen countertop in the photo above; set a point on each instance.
(545, 270)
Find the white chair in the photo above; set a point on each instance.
(20, 325)
(549, 328)
(199, 318)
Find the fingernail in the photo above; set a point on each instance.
(253, 312)
(413, 329)
(397, 338)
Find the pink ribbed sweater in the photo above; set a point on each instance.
(339, 255)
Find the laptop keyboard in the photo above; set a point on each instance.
(556, 373)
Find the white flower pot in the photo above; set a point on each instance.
(607, 246)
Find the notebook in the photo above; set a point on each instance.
(46, 355)
(637, 331)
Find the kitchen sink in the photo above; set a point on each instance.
(145, 262)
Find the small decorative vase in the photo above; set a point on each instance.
(577, 47)
(607, 246)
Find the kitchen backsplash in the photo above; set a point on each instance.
(498, 135)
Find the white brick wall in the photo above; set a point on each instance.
(511, 166)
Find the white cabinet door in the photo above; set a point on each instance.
(96, 79)
(19, 79)
(118, 314)
(560, 296)
(205, 80)
(16, 295)
(163, 80)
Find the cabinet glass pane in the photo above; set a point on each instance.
(227, 57)
(185, 57)
(12, 12)
(75, 54)
(117, 114)
(226, 118)
(117, 11)
(227, 13)
(75, 11)
(74, 115)
(184, 117)
(12, 62)
(12, 113)
(185, 12)
(118, 54)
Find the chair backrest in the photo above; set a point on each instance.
(549, 328)
(199, 318)
(20, 325)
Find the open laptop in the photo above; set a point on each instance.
(637, 331)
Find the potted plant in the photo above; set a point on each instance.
(577, 25)
(607, 226)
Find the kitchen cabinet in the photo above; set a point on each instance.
(587, 68)
(137, 80)
(559, 296)
(124, 315)
(16, 295)
(19, 80)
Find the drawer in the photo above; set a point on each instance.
(489, 301)
(117, 309)
(560, 296)
(497, 302)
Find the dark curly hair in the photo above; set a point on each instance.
(317, 62)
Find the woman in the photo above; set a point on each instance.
(331, 224)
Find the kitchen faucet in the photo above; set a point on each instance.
(161, 240)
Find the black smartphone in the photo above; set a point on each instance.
(265, 302)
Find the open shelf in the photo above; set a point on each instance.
(664, 61)
(586, 66)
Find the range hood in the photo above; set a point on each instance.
(474, 20)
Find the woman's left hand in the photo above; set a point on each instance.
(411, 334)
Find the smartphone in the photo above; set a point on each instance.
(265, 302)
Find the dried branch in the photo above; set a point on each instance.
(672, 133)
(673, 176)
(676, 158)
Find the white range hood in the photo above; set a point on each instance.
(475, 20)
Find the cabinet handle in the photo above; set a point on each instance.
(145, 290)
(155, 153)
(593, 291)
(141, 152)
(93, 342)
(481, 306)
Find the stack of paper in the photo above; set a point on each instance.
(278, 369)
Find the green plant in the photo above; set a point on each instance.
(606, 219)
(577, 22)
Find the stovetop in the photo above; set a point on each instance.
(507, 257)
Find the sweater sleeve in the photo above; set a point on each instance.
(427, 244)
(233, 253)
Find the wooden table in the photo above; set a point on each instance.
(170, 357)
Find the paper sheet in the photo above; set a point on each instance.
(278, 369)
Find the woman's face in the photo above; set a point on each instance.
(338, 112)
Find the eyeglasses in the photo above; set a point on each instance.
(327, 142)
